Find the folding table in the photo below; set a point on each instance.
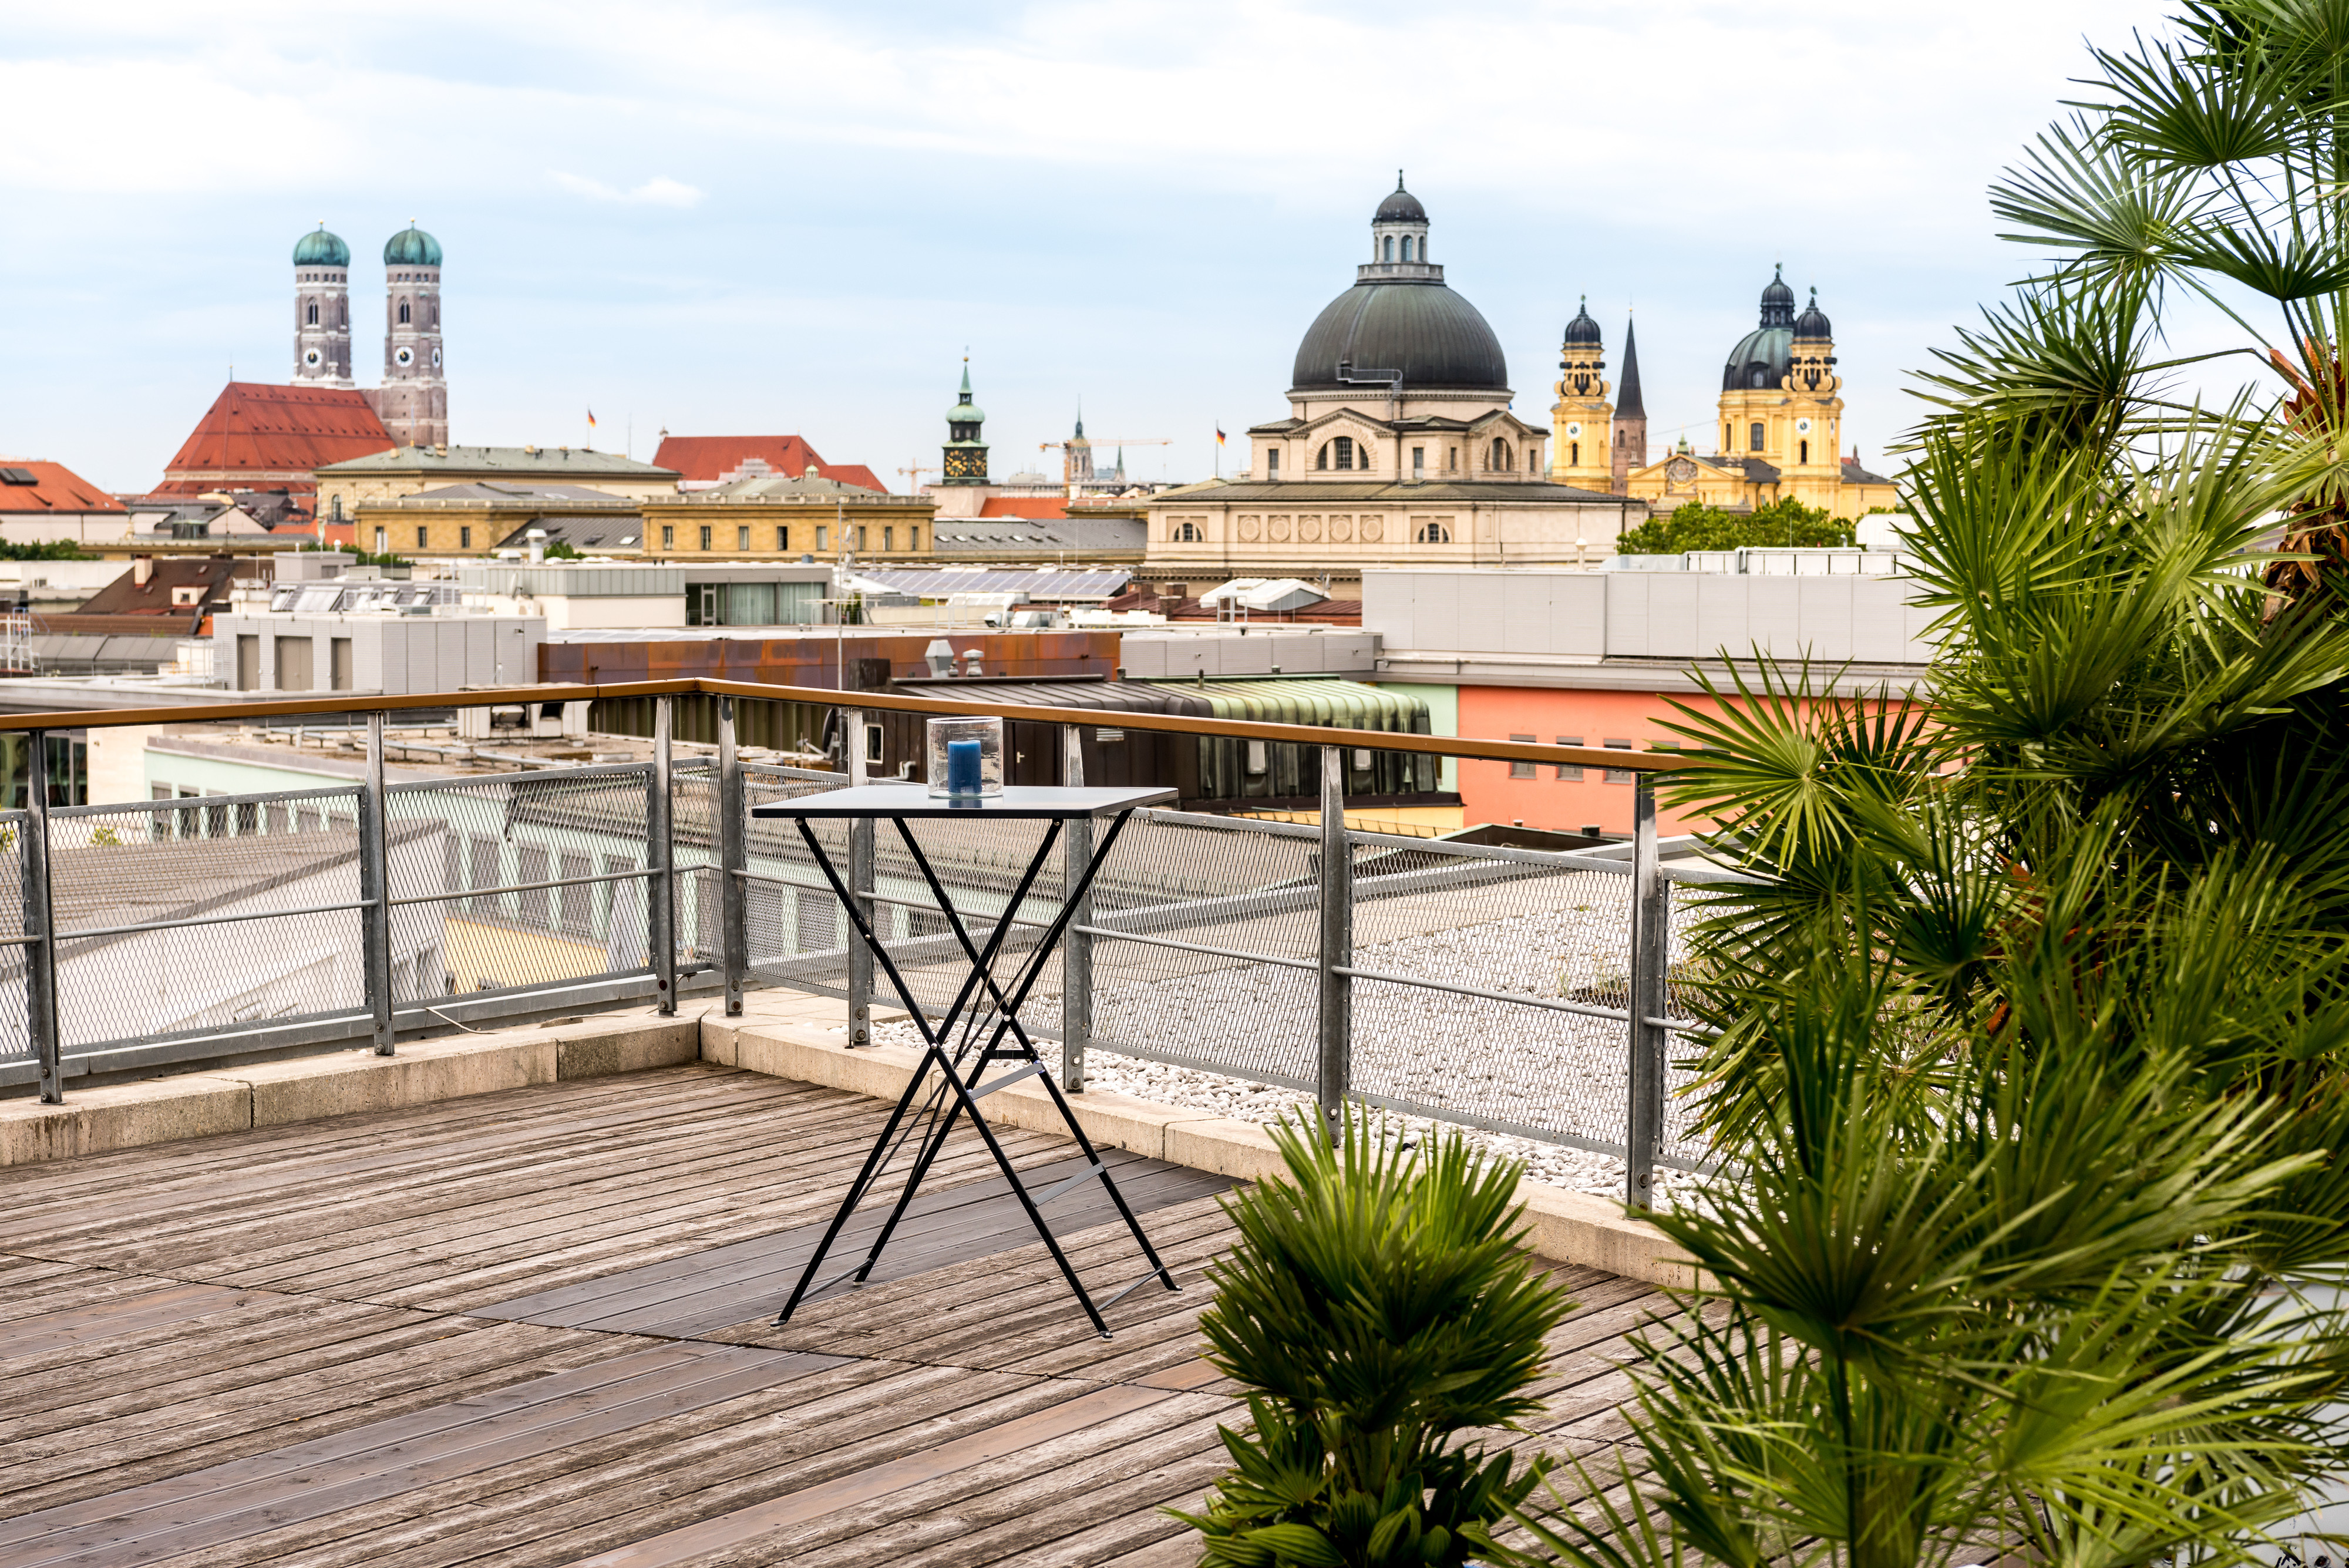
(959, 1087)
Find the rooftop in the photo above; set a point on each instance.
(551, 462)
(256, 429)
(30, 485)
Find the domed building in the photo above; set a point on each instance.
(1781, 425)
(1400, 446)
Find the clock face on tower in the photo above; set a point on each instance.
(1803, 427)
(406, 356)
(1574, 430)
(436, 359)
(310, 356)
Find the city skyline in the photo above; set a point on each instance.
(636, 222)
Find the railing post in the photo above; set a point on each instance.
(1334, 1075)
(733, 860)
(1644, 1124)
(40, 920)
(1076, 948)
(660, 862)
(860, 883)
(374, 889)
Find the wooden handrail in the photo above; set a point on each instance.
(1173, 724)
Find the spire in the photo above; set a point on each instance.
(966, 378)
(1080, 419)
(1628, 405)
(1398, 186)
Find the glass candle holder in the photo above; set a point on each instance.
(966, 758)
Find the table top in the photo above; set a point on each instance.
(1028, 803)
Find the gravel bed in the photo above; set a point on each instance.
(1576, 1169)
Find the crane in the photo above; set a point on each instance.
(1070, 478)
(914, 478)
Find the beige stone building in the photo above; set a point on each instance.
(1400, 447)
(410, 469)
(477, 519)
(772, 517)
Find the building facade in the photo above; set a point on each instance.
(410, 469)
(1781, 422)
(774, 517)
(413, 402)
(1399, 445)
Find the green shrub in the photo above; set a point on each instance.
(1378, 1304)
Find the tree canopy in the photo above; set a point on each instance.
(1694, 525)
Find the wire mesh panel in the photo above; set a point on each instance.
(524, 879)
(16, 1034)
(693, 836)
(1217, 928)
(797, 935)
(1536, 937)
(205, 915)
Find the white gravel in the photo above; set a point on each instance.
(1555, 1165)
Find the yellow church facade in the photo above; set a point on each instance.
(1781, 423)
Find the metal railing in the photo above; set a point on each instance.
(1520, 991)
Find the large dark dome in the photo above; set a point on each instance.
(1438, 340)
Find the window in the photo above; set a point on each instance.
(783, 540)
(403, 313)
(914, 537)
(314, 313)
(1418, 462)
(1574, 455)
(1389, 248)
(888, 539)
(1805, 449)
(860, 537)
(1322, 459)
(419, 535)
(705, 535)
(1342, 453)
(464, 538)
(1522, 770)
(1406, 247)
(1761, 377)
(1497, 460)
(1452, 461)
(1433, 531)
(1189, 533)
(874, 738)
(535, 904)
(1725, 438)
(669, 536)
(1755, 442)
(1566, 771)
(1619, 775)
(1272, 463)
(380, 544)
(821, 533)
(742, 537)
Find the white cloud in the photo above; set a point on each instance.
(659, 192)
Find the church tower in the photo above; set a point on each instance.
(1814, 462)
(413, 402)
(322, 310)
(1077, 458)
(965, 461)
(1631, 415)
(1581, 419)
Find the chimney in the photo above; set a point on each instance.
(537, 538)
(142, 567)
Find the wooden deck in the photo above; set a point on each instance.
(533, 1327)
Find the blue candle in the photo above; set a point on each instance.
(962, 767)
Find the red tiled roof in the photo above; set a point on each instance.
(709, 458)
(255, 432)
(60, 489)
(1036, 508)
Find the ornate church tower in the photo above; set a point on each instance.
(1581, 421)
(1077, 458)
(413, 402)
(1631, 417)
(322, 310)
(965, 461)
(1814, 438)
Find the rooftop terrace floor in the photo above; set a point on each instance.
(533, 1327)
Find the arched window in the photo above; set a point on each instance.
(314, 313)
(1807, 452)
(342, 313)
(1498, 461)
(1189, 533)
(1342, 453)
(1406, 247)
(1574, 457)
(433, 311)
(1390, 251)
(1755, 433)
(1431, 534)
(1761, 377)
(403, 313)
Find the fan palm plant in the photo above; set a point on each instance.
(1378, 1306)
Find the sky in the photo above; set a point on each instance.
(734, 219)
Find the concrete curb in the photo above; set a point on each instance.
(125, 1116)
(1567, 1227)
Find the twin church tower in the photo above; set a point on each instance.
(413, 402)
